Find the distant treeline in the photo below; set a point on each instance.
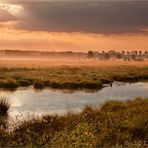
(44, 54)
(123, 55)
(103, 55)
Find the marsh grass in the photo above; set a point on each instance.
(9, 84)
(24, 83)
(71, 77)
(5, 104)
(109, 125)
(38, 85)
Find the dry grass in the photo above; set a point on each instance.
(108, 126)
(5, 103)
(9, 63)
(71, 74)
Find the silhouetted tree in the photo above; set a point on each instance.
(119, 56)
(140, 52)
(106, 56)
(90, 54)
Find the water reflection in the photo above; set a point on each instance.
(57, 101)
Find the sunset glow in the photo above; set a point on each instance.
(12, 9)
(11, 38)
(25, 26)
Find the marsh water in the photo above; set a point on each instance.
(29, 100)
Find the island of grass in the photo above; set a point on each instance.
(71, 77)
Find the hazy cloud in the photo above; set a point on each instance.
(102, 17)
(5, 16)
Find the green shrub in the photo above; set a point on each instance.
(38, 85)
(24, 83)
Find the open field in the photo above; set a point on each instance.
(70, 74)
(113, 124)
(47, 63)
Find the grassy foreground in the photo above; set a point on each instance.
(115, 123)
(70, 77)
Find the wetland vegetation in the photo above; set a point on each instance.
(115, 123)
(5, 104)
(70, 77)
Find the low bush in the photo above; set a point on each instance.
(69, 85)
(24, 83)
(54, 84)
(38, 85)
(46, 83)
(76, 85)
(91, 85)
(9, 84)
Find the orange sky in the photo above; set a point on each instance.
(12, 37)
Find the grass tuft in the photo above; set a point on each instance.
(5, 104)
